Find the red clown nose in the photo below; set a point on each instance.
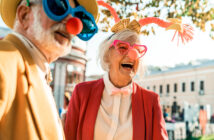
(74, 26)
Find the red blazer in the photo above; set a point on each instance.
(147, 117)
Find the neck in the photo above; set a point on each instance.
(48, 55)
(118, 81)
(45, 51)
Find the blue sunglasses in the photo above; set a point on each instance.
(57, 10)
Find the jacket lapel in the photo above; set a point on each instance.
(138, 115)
(37, 100)
(92, 110)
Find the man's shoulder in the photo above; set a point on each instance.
(8, 49)
(9, 54)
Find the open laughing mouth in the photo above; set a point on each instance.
(127, 65)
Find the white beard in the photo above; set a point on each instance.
(45, 38)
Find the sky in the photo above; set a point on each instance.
(161, 50)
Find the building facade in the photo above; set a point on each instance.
(4, 32)
(68, 71)
(184, 86)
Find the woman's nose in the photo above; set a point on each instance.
(133, 54)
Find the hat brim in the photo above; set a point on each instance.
(8, 9)
(91, 6)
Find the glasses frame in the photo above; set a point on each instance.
(114, 43)
(72, 11)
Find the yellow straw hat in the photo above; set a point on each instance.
(8, 9)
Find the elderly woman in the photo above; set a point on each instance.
(115, 107)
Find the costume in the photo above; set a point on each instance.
(24, 109)
(8, 11)
(148, 122)
(82, 22)
(27, 108)
(89, 109)
(184, 31)
(114, 116)
(92, 116)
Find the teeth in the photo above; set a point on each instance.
(128, 63)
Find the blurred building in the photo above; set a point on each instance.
(68, 71)
(94, 77)
(183, 86)
(4, 32)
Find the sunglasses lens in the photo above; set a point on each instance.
(57, 7)
(122, 47)
(88, 25)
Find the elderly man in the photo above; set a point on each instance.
(43, 30)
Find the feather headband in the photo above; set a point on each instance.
(184, 31)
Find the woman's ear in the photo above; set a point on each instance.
(23, 16)
(107, 56)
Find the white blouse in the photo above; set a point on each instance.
(114, 118)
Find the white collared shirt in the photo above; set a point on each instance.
(43, 69)
(114, 118)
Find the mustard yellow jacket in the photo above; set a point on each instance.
(24, 110)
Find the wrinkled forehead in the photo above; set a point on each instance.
(131, 40)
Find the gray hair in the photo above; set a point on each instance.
(125, 35)
(23, 2)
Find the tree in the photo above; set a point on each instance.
(199, 11)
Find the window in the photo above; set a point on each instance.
(175, 87)
(73, 77)
(167, 88)
(201, 85)
(192, 86)
(161, 89)
(201, 88)
(148, 87)
(183, 87)
(154, 88)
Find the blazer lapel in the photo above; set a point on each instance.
(92, 110)
(138, 115)
(37, 100)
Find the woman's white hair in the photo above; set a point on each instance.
(125, 35)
